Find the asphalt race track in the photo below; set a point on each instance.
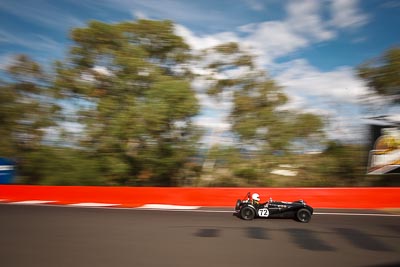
(52, 236)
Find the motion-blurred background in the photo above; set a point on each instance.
(200, 93)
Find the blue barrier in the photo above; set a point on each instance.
(7, 171)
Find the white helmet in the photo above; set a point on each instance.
(255, 196)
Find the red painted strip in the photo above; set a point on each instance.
(357, 198)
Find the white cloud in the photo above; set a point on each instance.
(220, 106)
(200, 85)
(303, 26)
(212, 123)
(304, 17)
(6, 60)
(102, 70)
(295, 102)
(298, 76)
(335, 95)
(139, 14)
(345, 14)
(267, 40)
(206, 41)
(272, 39)
(255, 5)
(302, 105)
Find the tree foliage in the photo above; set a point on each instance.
(138, 102)
(257, 116)
(26, 112)
(382, 74)
(25, 109)
(342, 164)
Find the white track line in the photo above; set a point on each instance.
(167, 207)
(356, 214)
(32, 202)
(92, 204)
(187, 210)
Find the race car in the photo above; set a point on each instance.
(250, 208)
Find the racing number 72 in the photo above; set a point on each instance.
(263, 212)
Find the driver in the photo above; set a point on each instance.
(255, 199)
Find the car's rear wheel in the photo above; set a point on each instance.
(303, 215)
(238, 203)
(247, 213)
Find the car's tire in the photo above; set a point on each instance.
(303, 215)
(238, 203)
(247, 213)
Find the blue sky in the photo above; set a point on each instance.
(309, 47)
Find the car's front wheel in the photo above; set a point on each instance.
(303, 215)
(247, 213)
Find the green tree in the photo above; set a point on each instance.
(382, 74)
(22, 106)
(26, 111)
(342, 164)
(263, 128)
(257, 117)
(133, 89)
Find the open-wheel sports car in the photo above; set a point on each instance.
(250, 208)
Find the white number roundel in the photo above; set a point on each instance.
(263, 212)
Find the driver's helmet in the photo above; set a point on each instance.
(255, 197)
